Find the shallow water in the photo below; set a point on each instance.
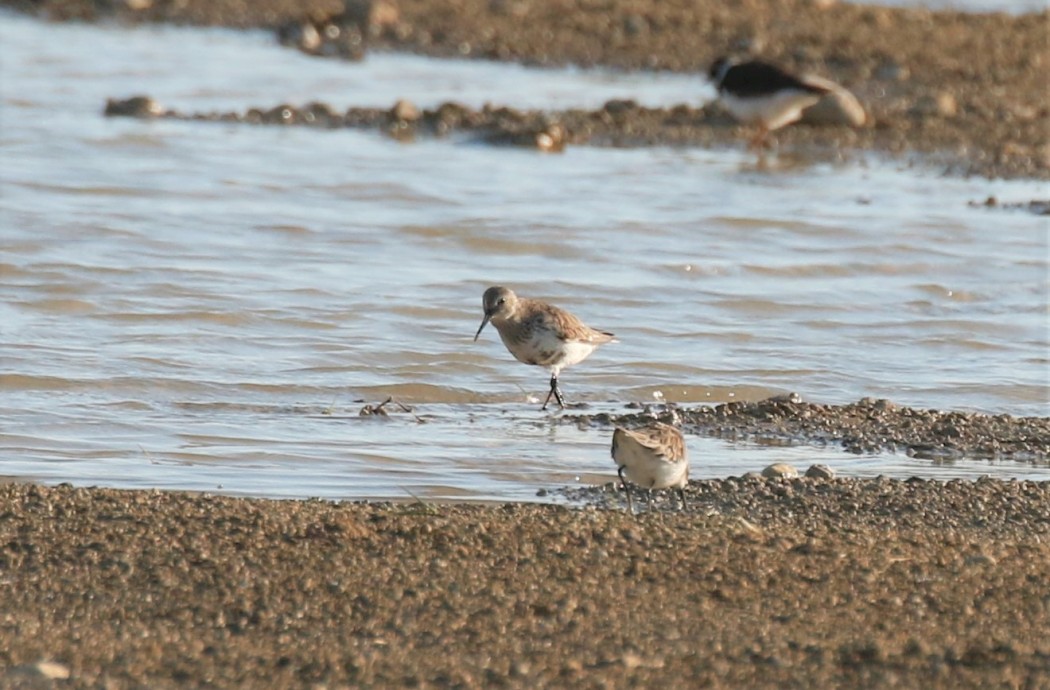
(206, 306)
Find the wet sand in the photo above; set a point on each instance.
(760, 584)
(967, 91)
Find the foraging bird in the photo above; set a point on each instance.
(757, 92)
(540, 334)
(653, 457)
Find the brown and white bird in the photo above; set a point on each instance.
(653, 457)
(539, 333)
(758, 93)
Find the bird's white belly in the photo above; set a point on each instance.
(546, 349)
(774, 111)
(573, 353)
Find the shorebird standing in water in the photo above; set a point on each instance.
(652, 457)
(540, 334)
(757, 92)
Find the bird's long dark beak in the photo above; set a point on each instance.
(483, 322)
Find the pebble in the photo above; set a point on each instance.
(41, 670)
(374, 15)
(820, 472)
(980, 559)
(941, 104)
(405, 111)
(780, 470)
(281, 114)
(892, 71)
(136, 106)
(551, 139)
(309, 38)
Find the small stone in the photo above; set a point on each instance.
(49, 670)
(941, 104)
(281, 114)
(571, 667)
(318, 111)
(374, 15)
(631, 534)
(980, 559)
(136, 106)
(617, 106)
(301, 35)
(309, 38)
(892, 71)
(509, 8)
(780, 470)
(384, 15)
(405, 111)
(631, 660)
(551, 139)
(820, 472)
(635, 25)
(452, 113)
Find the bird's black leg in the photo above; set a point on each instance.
(681, 495)
(626, 488)
(649, 498)
(555, 392)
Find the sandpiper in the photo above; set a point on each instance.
(539, 333)
(652, 457)
(757, 92)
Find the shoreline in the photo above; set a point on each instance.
(954, 445)
(762, 584)
(986, 116)
(866, 426)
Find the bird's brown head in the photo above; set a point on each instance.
(497, 303)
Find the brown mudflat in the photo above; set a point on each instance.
(761, 584)
(966, 90)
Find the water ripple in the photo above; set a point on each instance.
(198, 305)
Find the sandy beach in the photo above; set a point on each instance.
(760, 584)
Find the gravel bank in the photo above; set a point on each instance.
(865, 426)
(761, 584)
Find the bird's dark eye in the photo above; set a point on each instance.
(501, 301)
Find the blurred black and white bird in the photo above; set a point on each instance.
(758, 93)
